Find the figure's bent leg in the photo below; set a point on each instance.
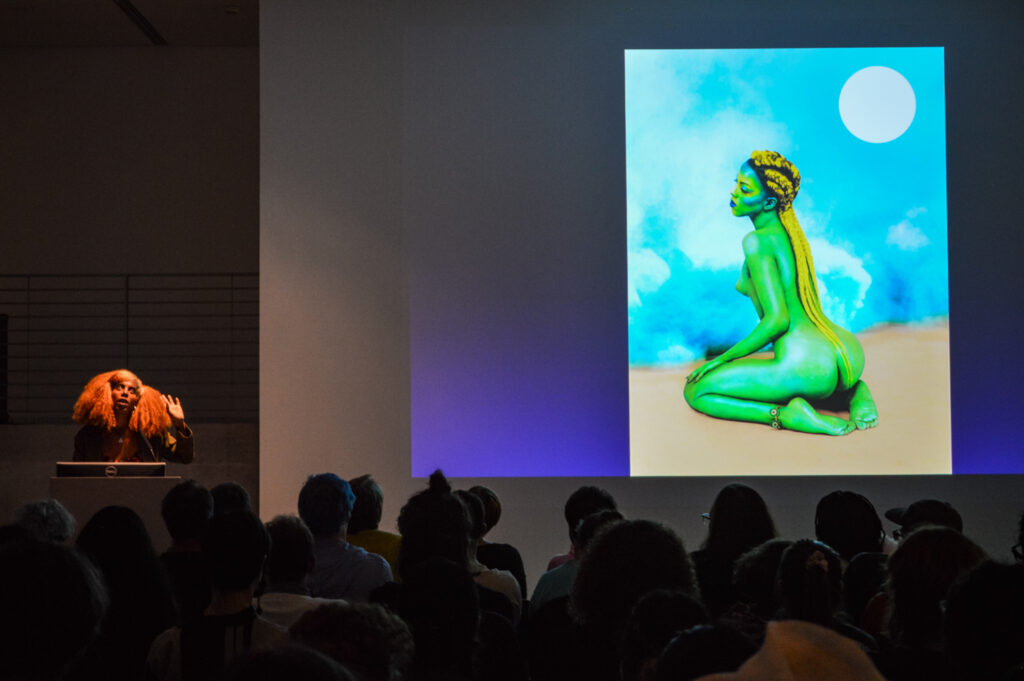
(750, 389)
(726, 407)
(863, 411)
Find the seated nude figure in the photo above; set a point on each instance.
(815, 361)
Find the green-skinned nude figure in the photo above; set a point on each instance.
(814, 359)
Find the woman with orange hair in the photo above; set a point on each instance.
(124, 420)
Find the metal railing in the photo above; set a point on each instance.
(190, 335)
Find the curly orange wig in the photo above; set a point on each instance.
(95, 406)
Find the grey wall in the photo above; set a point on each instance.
(129, 160)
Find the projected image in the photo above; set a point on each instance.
(786, 240)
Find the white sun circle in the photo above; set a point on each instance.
(877, 104)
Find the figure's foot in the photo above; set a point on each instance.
(800, 415)
(863, 412)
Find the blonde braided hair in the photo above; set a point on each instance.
(782, 180)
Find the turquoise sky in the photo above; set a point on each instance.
(875, 213)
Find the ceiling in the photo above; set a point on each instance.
(126, 23)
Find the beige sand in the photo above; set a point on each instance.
(907, 370)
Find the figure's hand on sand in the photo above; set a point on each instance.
(174, 410)
(703, 369)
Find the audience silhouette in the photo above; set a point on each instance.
(739, 521)
(495, 555)
(54, 600)
(186, 509)
(141, 599)
(341, 569)
(628, 603)
(234, 546)
(364, 525)
(285, 596)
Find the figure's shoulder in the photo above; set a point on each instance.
(753, 242)
(499, 580)
(358, 555)
(499, 555)
(267, 634)
(767, 241)
(163, 659)
(376, 541)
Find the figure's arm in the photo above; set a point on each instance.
(769, 291)
(179, 449)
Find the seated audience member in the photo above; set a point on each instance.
(286, 596)
(924, 512)
(921, 571)
(984, 624)
(625, 561)
(739, 521)
(863, 581)
(552, 639)
(141, 599)
(435, 524)
(230, 496)
(500, 655)
(47, 520)
(234, 546)
(491, 554)
(802, 651)
(703, 649)
(288, 663)
(501, 581)
(53, 602)
(579, 505)
(341, 570)
(657, 617)
(557, 583)
(365, 637)
(186, 509)
(755, 579)
(848, 522)
(439, 603)
(811, 588)
(363, 526)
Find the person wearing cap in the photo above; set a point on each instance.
(924, 512)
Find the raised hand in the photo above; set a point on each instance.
(174, 410)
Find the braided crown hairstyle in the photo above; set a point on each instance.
(782, 180)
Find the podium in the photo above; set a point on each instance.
(84, 496)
